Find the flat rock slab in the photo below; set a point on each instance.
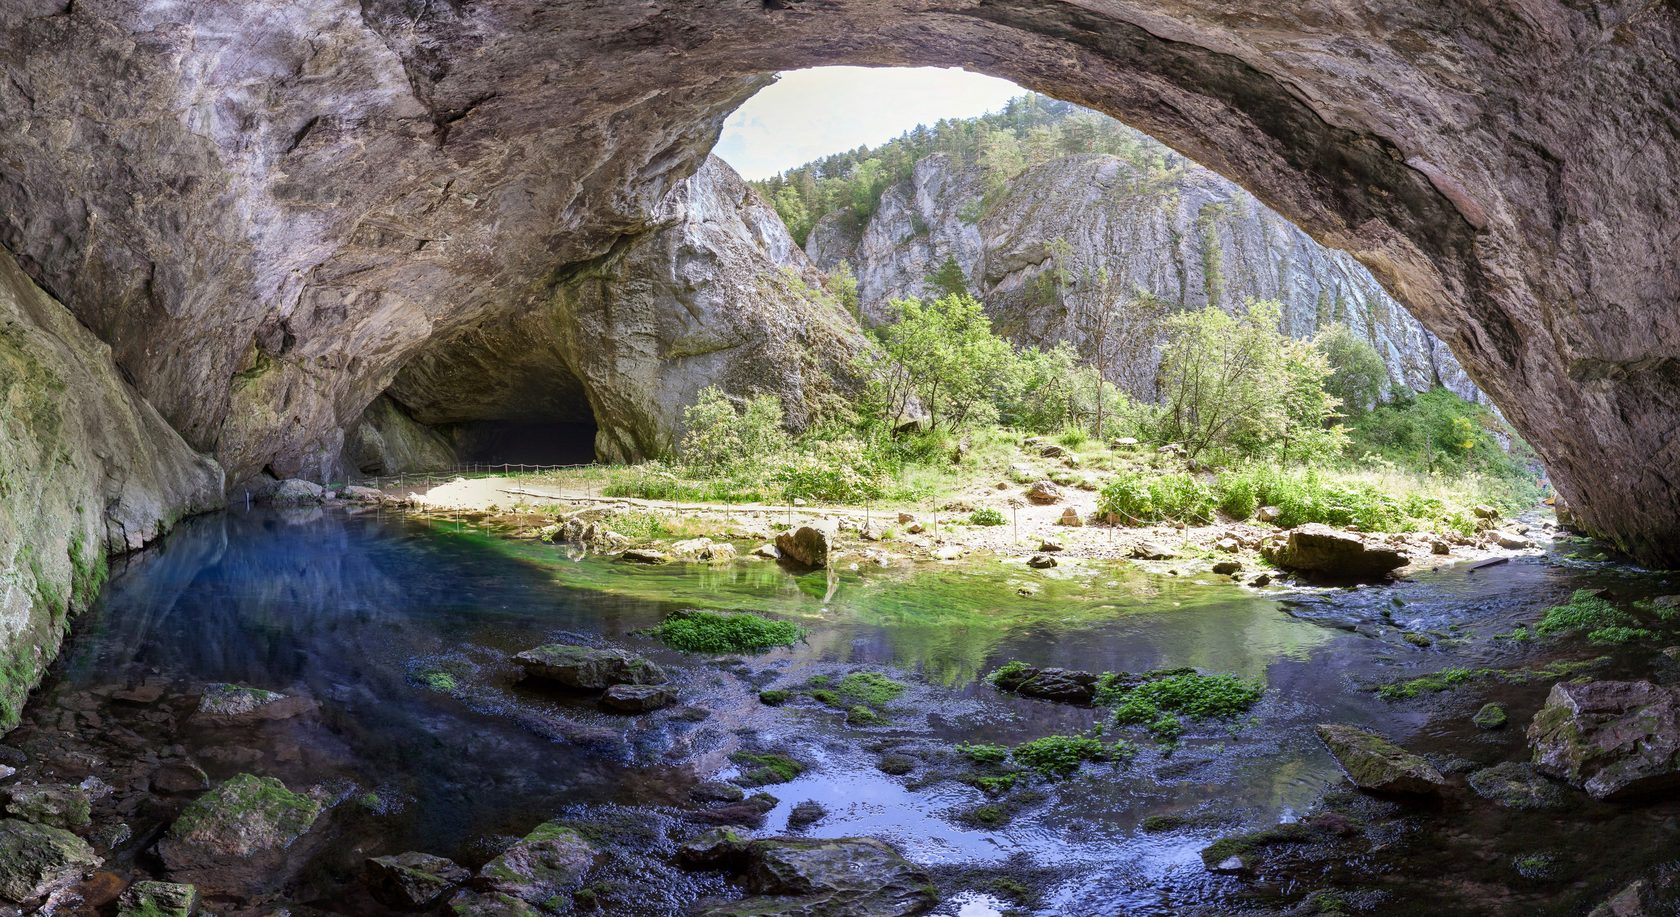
(1317, 548)
(799, 877)
(637, 698)
(413, 881)
(1377, 765)
(225, 704)
(586, 668)
(36, 860)
(1517, 785)
(239, 832)
(1613, 739)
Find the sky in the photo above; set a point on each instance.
(808, 114)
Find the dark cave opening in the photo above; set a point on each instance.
(525, 442)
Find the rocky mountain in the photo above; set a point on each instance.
(1092, 246)
(714, 292)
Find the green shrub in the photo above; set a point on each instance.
(739, 632)
(719, 438)
(986, 516)
(773, 697)
(1177, 497)
(1073, 437)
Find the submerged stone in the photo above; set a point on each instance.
(59, 805)
(36, 860)
(637, 698)
(840, 877)
(1516, 785)
(1067, 686)
(588, 669)
(1240, 853)
(1373, 763)
(224, 704)
(808, 812)
(243, 827)
(413, 881)
(1611, 738)
(550, 860)
(468, 903)
(1491, 716)
(1318, 548)
(158, 899)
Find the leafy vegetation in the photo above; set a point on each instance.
(871, 688)
(763, 768)
(1159, 701)
(986, 516)
(1589, 611)
(1060, 756)
(740, 632)
(982, 753)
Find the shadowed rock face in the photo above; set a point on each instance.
(267, 210)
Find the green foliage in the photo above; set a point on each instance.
(1588, 611)
(773, 697)
(1159, 701)
(1434, 683)
(864, 715)
(1012, 669)
(1311, 495)
(948, 279)
(762, 768)
(1237, 383)
(1059, 755)
(1357, 374)
(739, 632)
(720, 439)
(1136, 499)
(983, 753)
(941, 353)
(871, 688)
(1438, 431)
(986, 515)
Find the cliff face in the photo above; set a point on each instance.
(1079, 234)
(714, 292)
(87, 470)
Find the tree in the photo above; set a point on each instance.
(948, 279)
(790, 206)
(719, 439)
(1357, 374)
(943, 354)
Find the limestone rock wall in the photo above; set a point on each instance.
(1191, 241)
(386, 440)
(715, 292)
(87, 470)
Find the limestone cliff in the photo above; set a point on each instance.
(1081, 232)
(715, 292)
(87, 469)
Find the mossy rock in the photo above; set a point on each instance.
(245, 825)
(1243, 852)
(36, 860)
(1491, 716)
(158, 899)
(1377, 765)
(1517, 785)
(549, 861)
(59, 805)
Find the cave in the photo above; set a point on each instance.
(490, 443)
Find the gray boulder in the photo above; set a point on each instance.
(588, 669)
(1317, 548)
(797, 877)
(413, 881)
(1516, 785)
(1377, 765)
(36, 860)
(552, 859)
(59, 805)
(1611, 738)
(1044, 493)
(239, 832)
(158, 899)
(810, 545)
(294, 492)
(224, 704)
(637, 698)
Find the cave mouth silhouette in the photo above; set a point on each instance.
(525, 442)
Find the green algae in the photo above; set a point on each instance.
(740, 632)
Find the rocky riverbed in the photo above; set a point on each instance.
(352, 711)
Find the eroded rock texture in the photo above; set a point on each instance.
(714, 293)
(267, 210)
(1092, 250)
(87, 469)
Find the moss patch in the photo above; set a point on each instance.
(741, 632)
(765, 768)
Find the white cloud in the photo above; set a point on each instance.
(808, 114)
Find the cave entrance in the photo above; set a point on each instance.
(525, 442)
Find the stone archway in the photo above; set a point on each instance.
(267, 210)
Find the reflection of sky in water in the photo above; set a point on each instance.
(349, 609)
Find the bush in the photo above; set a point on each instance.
(840, 471)
(740, 632)
(1134, 499)
(719, 438)
(986, 516)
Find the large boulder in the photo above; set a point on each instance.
(413, 881)
(241, 831)
(158, 899)
(293, 492)
(1611, 738)
(585, 668)
(550, 860)
(1044, 493)
(1320, 549)
(1065, 685)
(60, 805)
(36, 860)
(799, 877)
(810, 545)
(1375, 764)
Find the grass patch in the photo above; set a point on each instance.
(1450, 678)
(992, 784)
(1589, 611)
(710, 632)
(764, 768)
(871, 688)
(863, 715)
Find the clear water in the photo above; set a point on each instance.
(355, 611)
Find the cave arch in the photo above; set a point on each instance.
(371, 176)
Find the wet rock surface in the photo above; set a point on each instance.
(158, 899)
(1063, 685)
(37, 859)
(1375, 764)
(585, 668)
(413, 881)
(843, 877)
(552, 859)
(239, 832)
(1517, 785)
(1614, 739)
